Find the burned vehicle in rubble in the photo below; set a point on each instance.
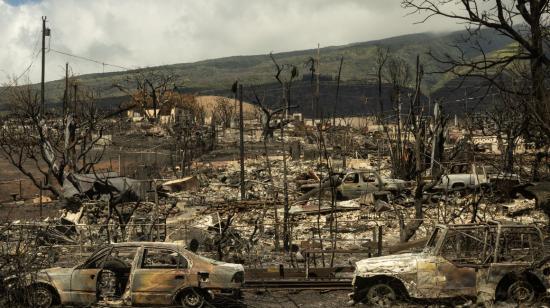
(488, 262)
(356, 183)
(134, 273)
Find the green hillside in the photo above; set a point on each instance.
(359, 64)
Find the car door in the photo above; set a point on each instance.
(350, 187)
(119, 262)
(159, 274)
(455, 279)
(426, 271)
(437, 277)
(464, 251)
(426, 280)
(370, 182)
(84, 279)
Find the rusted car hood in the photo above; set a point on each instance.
(392, 264)
(49, 275)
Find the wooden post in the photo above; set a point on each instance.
(41, 185)
(379, 241)
(317, 75)
(66, 93)
(286, 235)
(337, 92)
(241, 137)
(42, 76)
(156, 211)
(108, 224)
(378, 156)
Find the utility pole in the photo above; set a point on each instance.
(45, 32)
(285, 100)
(435, 137)
(317, 96)
(40, 202)
(241, 137)
(337, 92)
(286, 231)
(75, 86)
(66, 94)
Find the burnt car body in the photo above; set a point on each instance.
(136, 273)
(357, 183)
(490, 262)
(470, 177)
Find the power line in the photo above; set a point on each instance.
(89, 59)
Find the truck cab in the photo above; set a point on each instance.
(463, 176)
(488, 261)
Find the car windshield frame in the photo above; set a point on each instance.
(485, 235)
(94, 256)
(435, 238)
(102, 252)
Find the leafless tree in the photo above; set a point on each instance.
(24, 252)
(46, 147)
(525, 22)
(224, 111)
(507, 126)
(266, 115)
(149, 89)
(187, 131)
(414, 151)
(269, 116)
(398, 73)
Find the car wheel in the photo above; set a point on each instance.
(380, 295)
(192, 299)
(41, 297)
(521, 292)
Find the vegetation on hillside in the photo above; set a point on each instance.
(359, 65)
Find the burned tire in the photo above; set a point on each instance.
(41, 297)
(521, 292)
(380, 295)
(192, 299)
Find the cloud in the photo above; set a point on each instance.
(138, 33)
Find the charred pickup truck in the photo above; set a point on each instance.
(490, 262)
(133, 274)
(463, 176)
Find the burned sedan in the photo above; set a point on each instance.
(489, 262)
(137, 273)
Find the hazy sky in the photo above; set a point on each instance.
(139, 33)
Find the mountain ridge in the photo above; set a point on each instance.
(219, 73)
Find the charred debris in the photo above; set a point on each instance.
(287, 197)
